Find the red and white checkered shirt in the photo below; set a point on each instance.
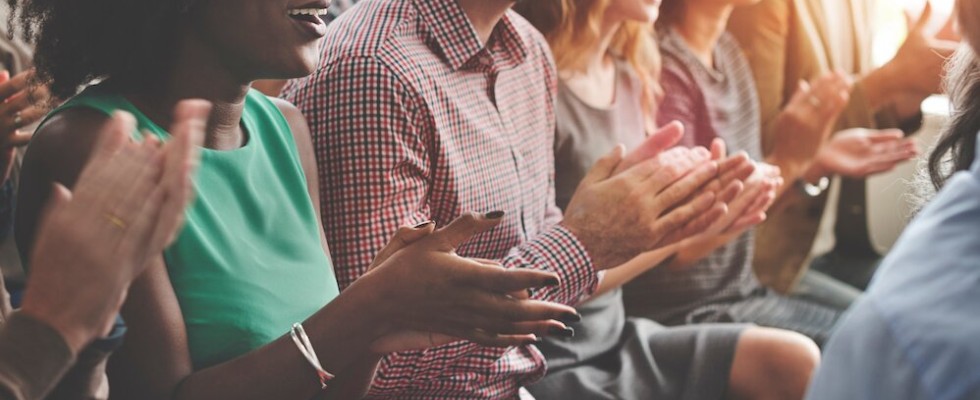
(413, 119)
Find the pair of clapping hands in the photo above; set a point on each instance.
(655, 197)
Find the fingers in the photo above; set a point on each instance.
(885, 135)
(665, 169)
(683, 188)
(115, 134)
(605, 167)
(14, 85)
(672, 226)
(496, 279)
(735, 168)
(701, 223)
(664, 138)
(465, 227)
(60, 197)
(718, 149)
(918, 25)
(403, 237)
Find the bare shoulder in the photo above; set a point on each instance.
(57, 154)
(304, 142)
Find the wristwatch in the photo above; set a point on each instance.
(813, 190)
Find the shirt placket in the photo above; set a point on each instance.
(491, 70)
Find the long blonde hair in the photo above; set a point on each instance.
(571, 25)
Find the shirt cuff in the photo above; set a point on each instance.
(33, 357)
(561, 252)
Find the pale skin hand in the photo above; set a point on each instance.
(747, 208)
(631, 204)
(126, 208)
(916, 70)
(807, 121)
(859, 153)
(18, 98)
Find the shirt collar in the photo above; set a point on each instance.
(455, 37)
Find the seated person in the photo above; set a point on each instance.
(788, 41)
(239, 306)
(913, 334)
(422, 109)
(607, 91)
(708, 86)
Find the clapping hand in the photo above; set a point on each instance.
(859, 153)
(126, 207)
(20, 105)
(431, 296)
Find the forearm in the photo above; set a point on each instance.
(623, 274)
(341, 334)
(694, 251)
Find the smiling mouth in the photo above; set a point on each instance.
(308, 14)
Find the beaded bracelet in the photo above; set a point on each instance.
(306, 348)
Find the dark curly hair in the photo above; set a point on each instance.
(126, 43)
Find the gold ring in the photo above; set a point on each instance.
(118, 222)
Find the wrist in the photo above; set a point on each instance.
(75, 335)
(791, 169)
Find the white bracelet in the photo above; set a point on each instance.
(306, 348)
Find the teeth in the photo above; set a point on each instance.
(317, 12)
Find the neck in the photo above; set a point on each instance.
(198, 74)
(597, 57)
(701, 25)
(485, 14)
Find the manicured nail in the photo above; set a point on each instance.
(552, 281)
(494, 215)
(424, 225)
(569, 318)
(565, 332)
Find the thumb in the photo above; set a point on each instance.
(467, 226)
(718, 149)
(663, 139)
(605, 167)
(115, 134)
(60, 197)
(404, 237)
(918, 25)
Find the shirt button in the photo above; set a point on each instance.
(486, 60)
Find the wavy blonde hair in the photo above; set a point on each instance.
(571, 25)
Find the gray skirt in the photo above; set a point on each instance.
(614, 357)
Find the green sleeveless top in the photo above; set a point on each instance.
(249, 261)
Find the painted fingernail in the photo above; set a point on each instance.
(424, 225)
(569, 318)
(494, 215)
(561, 332)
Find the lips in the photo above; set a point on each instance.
(309, 20)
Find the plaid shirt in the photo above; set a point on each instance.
(413, 119)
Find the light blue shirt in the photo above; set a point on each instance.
(916, 332)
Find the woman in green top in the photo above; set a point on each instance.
(207, 320)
